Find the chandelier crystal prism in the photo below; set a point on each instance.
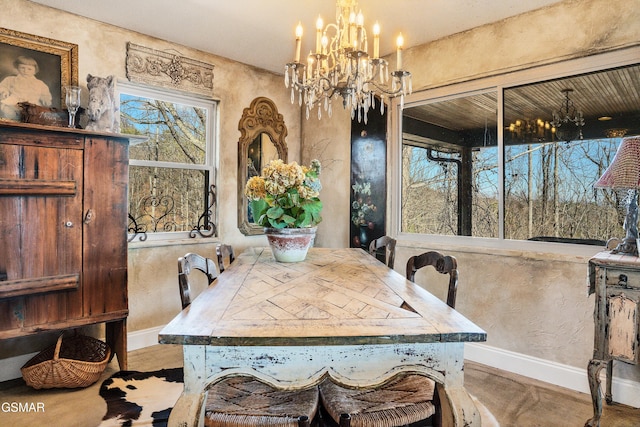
(342, 66)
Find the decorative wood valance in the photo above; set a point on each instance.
(150, 66)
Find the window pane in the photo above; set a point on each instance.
(171, 169)
(549, 172)
(177, 132)
(167, 199)
(450, 167)
(549, 192)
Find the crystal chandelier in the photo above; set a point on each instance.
(568, 117)
(341, 65)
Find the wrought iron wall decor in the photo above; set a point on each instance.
(134, 229)
(206, 227)
(150, 66)
(150, 213)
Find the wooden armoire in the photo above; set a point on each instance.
(63, 232)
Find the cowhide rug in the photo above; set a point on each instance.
(141, 398)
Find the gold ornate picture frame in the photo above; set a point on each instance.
(57, 62)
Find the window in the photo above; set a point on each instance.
(490, 163)
(450, 168)
(171, 172)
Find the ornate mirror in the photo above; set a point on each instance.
(262, 139)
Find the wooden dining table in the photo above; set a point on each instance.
(340, 313)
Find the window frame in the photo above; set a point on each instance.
(210, 160)
(499, 83)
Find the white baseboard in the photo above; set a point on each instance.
(624, 391)
(143, 338)
(11, 366)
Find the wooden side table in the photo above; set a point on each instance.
(615, 280)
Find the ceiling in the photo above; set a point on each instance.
(261, 32)
(612, 94)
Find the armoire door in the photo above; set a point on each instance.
(40, 235)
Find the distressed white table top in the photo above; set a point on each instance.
(334, 297)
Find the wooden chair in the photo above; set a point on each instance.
(245, 400)
(388, 244)
(443, 264)
(185, 265)
(225, 256)
(404, 400)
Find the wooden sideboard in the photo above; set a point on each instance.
(615, 280)
(63, 232)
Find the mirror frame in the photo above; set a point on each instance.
(260, 117)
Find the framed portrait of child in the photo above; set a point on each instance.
(34, 70)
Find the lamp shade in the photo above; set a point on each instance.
(624, 170)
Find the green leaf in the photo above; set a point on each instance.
(275, 212)
(258, 210)
(276, 224)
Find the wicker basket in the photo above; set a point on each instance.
(76, 361)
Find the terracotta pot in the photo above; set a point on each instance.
(290, 244)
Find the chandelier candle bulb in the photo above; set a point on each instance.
(376, 41)
(319, 25)
(359, 24)
(352, 25)
(399, 43)
(298, 41)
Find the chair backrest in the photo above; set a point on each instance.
(444, 264)
(186, 265)
(225, 256)
(389, 246)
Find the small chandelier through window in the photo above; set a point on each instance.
(568, 121)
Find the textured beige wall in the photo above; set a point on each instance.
(527, 303)
(329, 140)
(565, 30)
(530, 303)
(153, 292)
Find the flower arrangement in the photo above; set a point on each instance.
(362, 209)
(286, 195)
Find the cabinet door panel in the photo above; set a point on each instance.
(623, 308)
(105, 229)
(40, 234)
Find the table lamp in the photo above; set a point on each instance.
(624, 173)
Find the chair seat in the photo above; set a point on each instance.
(404, 400)
(244, 401)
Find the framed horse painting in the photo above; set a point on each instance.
(34, 71)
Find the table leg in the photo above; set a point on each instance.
(190, 407)
(593, 371)
(608, 396)
(188, 410)
(457, 407)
